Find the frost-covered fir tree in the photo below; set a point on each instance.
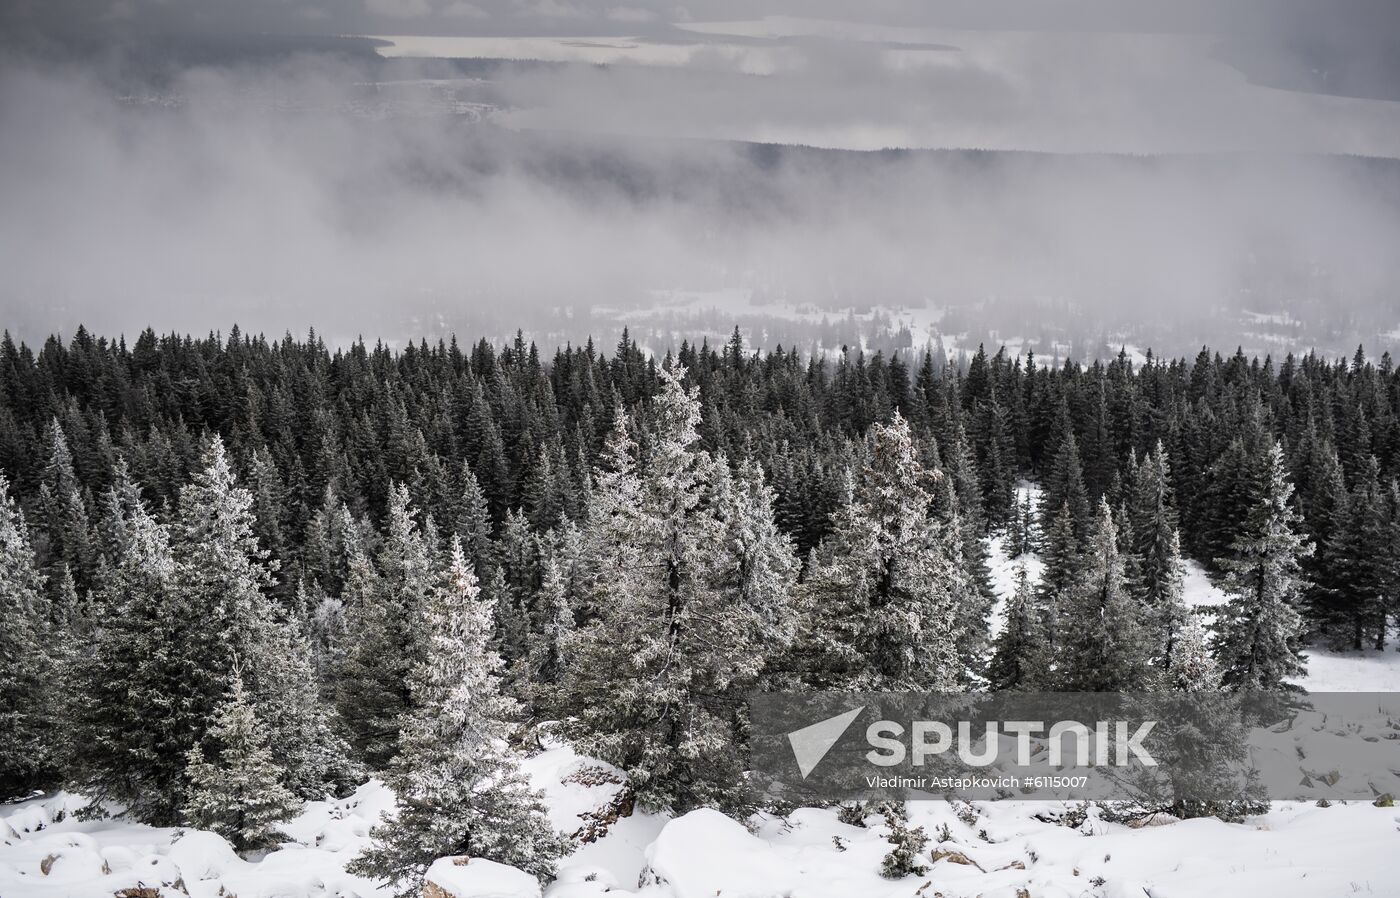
(1165, 612)
(28, 731)
(316, 760)
(882, 587)
(1193, 667)
(756, 563)
(1021, 652)
(614, 508)
(1064, 486)
(235, 785)
(459, 788)
(681, 624)
(1102, 646)
(1363, 568)
(324, 617)
(518, 562)
(382, 608)
(1259, 630)
(147, 689)
(543, 491)
(225, 576)
(1063, 554)
(64, 515)
(972, 595)
(1021, 534)
(538, 673)
(1155, 540)
(473, 521)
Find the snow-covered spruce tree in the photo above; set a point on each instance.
(64, 515)
(958, 512)
(1363, 566)
(235, 785)
(1259, 629)
(543, 490)
(473, 521)
(1328, 518)
(1155, 541)
(459, 788)
(540, 670)
(1021, 656)
(972, 594)
(882, 587)
(1155, 546)
(1167, 615)
(1022, 532)
(1063, 554)
(317, 760)
(518, 562)
(381, 614)
(613, 510)
(1102, 646)
(1192, 667)
(28, 731)
(225, 576)
(1392, 554)
(568, 555)
(148, 688)
(270, 499)
(687, 602)
(756, 564)
(329, 542)
(1064, 486)
(324, 617)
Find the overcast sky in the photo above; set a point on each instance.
(1354, 19)
(282, 190)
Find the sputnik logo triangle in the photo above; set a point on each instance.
(810, 744)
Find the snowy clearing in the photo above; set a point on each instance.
(991, 849)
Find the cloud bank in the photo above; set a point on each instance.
(363, 195)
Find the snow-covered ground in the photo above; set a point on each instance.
(988, 849)
(47, 853)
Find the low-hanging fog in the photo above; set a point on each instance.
(1149, 185)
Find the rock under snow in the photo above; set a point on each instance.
(203, 855)
(705, 853)
(455, 877)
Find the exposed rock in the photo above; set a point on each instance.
(954, 857)
(597, 821)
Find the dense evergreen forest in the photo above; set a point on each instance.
(239, 573)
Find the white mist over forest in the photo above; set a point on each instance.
(1125, 175)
